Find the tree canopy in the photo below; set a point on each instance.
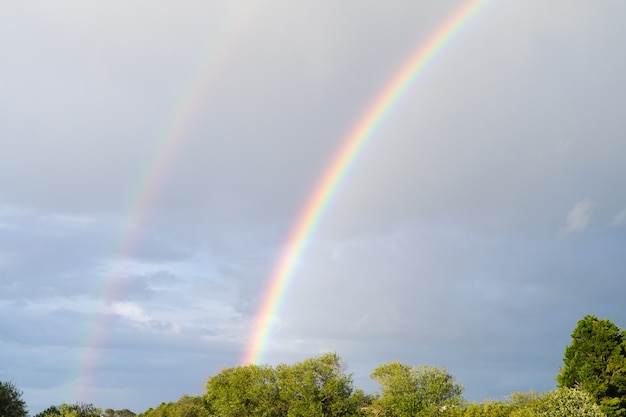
(71, 410)
(186, 406)
(595, 362)
(566, 402)
(592, 383)
(408, 391)
(315, 387)
(11, 403)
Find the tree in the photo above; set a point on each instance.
(11, 403)
(188, 406)
(163, 410)
(53, 410)
(71, 410)
(408, 391)
(398, 386)
(566, 402)
(319, 386)
(595, 362)
(109, 412)
(488, 408)
(243, 391)
(315, 387)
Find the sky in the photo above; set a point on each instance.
(155, 155)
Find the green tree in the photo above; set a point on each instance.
(408, 391)
(162, 410)
(11, 403)
(109, 412)
(243, 391)
(488, 408)
(71, 410)
(595, 362)
(188, 406)
(566, 402)
(53, 410)
(399, 392)
(315, 387)
(319, 386)
(563, 402)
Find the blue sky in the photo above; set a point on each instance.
(485, 217)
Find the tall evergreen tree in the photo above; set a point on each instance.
(595, 362)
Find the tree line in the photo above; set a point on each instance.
(591, 383)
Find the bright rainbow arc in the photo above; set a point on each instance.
(339, 166)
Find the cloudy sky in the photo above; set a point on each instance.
(154, 156)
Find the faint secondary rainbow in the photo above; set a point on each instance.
(339, 165)
(158, 163)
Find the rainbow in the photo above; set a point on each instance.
(152, 175)
(348, 151)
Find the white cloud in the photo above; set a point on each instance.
(620, 218)
(130, 311)
(72, 220)
(579, 216)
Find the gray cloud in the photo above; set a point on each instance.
(154, 157)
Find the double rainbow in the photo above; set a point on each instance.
(172, 139)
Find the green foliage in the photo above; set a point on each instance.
(615, 406)
(53, 410)
(71, 410)
(408, 391)
(243, 391)
(163, 410)
(186, 406)
(595, 362)
(517, 404)
(567, 402)
(315, 387)
(564, 402)
(109, 412)
(592, 383)
(11, 403)
(519, 399)
(398, 386)
(488, 409)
